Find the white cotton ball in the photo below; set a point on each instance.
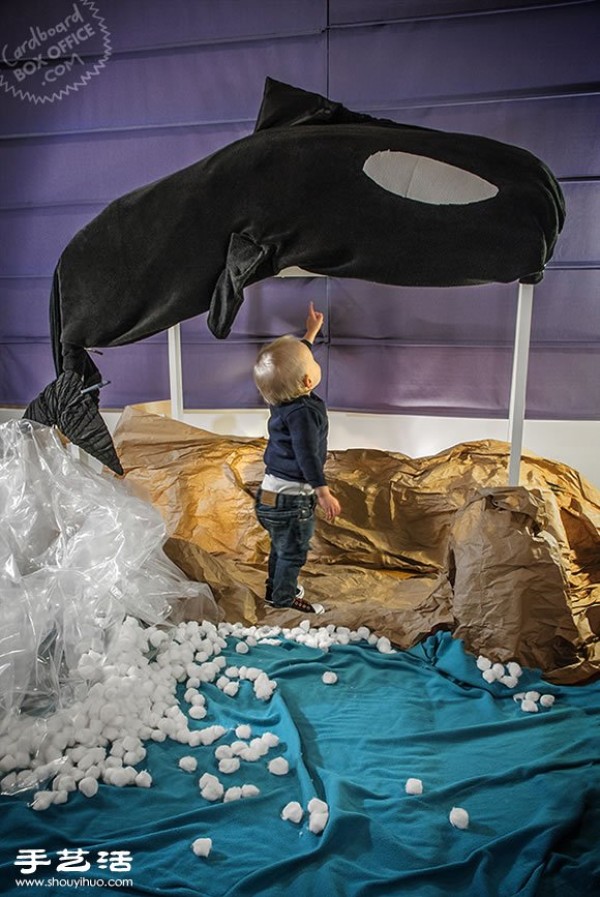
(188, 764)
(520, 696)
(498, 670)
(293, 812)
(143, 779)
(197, 711)
(509, 681)
(384, 646)
(229, 764)
(514, 669)
(489, 675)
(238, 747)
(234, 793)
(459, 817)
(414, 786)
(270, 739)
(250, 791)
(364, 632)
(119, 777)
(157, 637)
(278, 766)
(242, 648)
(243, 731)
(318, 821)
(158, 735)
(42, 800)
(8, 763)
(532, 695)
(210, 787)
(316, 805)
(61, 797)
(88, 786)
(223, 752)
(329, 678)
(64, 782)
(547, 700)
(202, 846)
(529, 706)
(232, 672)
(260, 745)
(198, 700)
(211, 734)
(251, 754)
(8, 783)
(483, 663)
(231, 689)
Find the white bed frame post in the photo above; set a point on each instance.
(175, 375)
(518, 386)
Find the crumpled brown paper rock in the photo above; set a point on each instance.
(422, 544)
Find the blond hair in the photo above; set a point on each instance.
(279, 371)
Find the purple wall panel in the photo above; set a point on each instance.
(363, 311)
(579, 242)
(138, 372)
(213, 82)
(154, 23)
(32, 240)
(563, 131)
(24, 304)
(187, 79)
(352, 12)
(25, 368)
(101, 167)
(420, 379)
(470, 56)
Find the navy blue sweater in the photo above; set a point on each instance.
(297, 446)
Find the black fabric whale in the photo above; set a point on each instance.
(297, 192)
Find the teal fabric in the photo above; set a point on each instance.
(530, 783)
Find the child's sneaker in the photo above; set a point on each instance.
(299, 594)
(305, 607)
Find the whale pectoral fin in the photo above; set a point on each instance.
(244, 258)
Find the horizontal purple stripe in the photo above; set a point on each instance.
(555, 45)
(154, 23)
(222, 82)
(101, 167)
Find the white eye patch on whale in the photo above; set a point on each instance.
(427, 180)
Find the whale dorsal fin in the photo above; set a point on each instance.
(286, 106)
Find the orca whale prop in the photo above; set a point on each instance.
(315, 186)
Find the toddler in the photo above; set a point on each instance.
(286, 374)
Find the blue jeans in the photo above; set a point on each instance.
(290, 524)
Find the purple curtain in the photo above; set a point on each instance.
(185, 78)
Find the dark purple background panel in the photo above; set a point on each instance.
(186, 78)
(468, 56)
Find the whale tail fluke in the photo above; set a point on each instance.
(65, 404)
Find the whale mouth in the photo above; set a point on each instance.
(426, 180)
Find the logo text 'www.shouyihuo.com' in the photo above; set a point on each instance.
(45, 61)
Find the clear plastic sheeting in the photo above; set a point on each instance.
(78, 552)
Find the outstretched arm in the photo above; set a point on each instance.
(314, 322)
